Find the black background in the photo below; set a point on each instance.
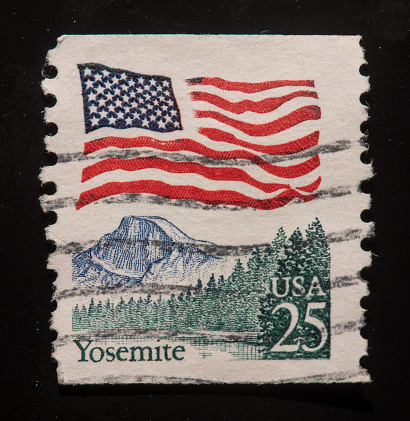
(29, 389)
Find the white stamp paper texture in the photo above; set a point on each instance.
(208, 208)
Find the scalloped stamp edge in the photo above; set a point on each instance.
(298, 325)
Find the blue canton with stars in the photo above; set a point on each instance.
(122, 99)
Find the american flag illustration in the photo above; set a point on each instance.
(227, 160)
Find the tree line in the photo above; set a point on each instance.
(243, 302)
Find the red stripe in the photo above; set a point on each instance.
(218, 197)
(311, 187)
(248, 87)
(292, 171)
(288, 148)
(264, 106)
(309, 112)
(212, 173)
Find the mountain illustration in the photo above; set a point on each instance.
(144, 249)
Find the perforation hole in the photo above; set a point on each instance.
(366, 215)
(50, 218)
(367, 274)
(50, 100)
(364, 127)
(51, 246)
(365, 157)
(368, 244)
(364, 69)
(364, 332)
(51, 275)
(365, 362)
(367, 186)
(49, 71)
(51, 158)
(365, 99)
(53, 333)
(51, 129)
(49, 188)
(365, 302)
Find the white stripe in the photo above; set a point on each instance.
(196, 180)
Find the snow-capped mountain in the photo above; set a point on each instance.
(144, 249)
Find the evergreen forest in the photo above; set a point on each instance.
(243, 302)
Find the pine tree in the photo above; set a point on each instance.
(84, 318)
(212, 282)
(76, 322)
(120, 310)
(198, 287)
(258, 271)
(92, 308)
(317, 250)
(221, 280)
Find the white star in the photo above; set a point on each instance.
(140, 90)
(98, 77)
(111, 107)
(145, 123)
(99, 89)
(152, 117)
(92, 96)
(158, 112)
(141, 80)
(149, 106)
(93, 109)
(161, 97)
(165, 83)
(103, 114)
(89, 84)
(123, 76)
(164, 107)
(176, 123)
(101, 102)
(140, 100)
(109, 95)
(167, 118)
(117, 91)
(143, 109)
(87, 72)
(112, 120)
(94, 121)
(128, 120)
(173, 112)
(105, 73)
(152, 82)
(155, 102)
(131, 82)
(120, 116)
(118, 102)
(161, 124)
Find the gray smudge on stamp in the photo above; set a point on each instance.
(337, 146)
(63, 202)
(345, 281)
(119, 335)
(216, 250)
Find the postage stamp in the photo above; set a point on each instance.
(208, 208)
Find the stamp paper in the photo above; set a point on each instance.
(208, 208)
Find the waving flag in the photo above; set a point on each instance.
(240, 130)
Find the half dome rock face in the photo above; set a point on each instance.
(144, 249)
(133, 247)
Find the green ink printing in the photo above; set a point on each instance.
(281, 300)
